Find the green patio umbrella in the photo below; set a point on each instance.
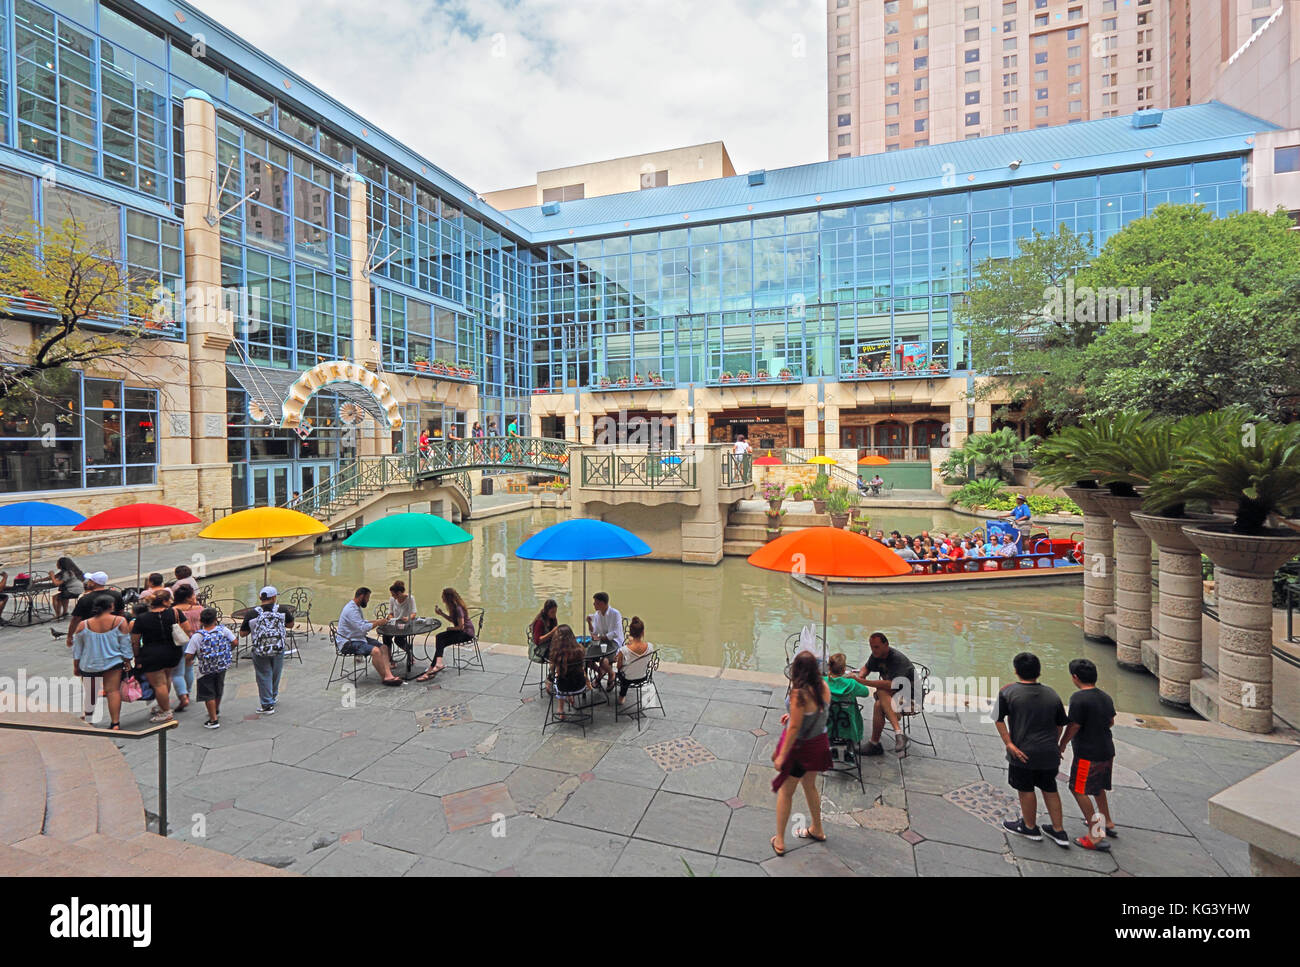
(408, 530)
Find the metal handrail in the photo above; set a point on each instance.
(543, 454)
(657, 470)
(737, 470)
(833, 470)
(160, 730)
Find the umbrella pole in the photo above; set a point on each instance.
(826, 583)
(266, 560)
(139, 545)
(30, 577)
(582, 611)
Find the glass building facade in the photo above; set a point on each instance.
(93, 92)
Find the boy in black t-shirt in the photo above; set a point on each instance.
(1092, 713)
(1033, 756)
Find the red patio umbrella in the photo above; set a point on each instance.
(768, 461)
(138, 516)
(828, 552)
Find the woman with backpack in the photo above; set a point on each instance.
(101, 647)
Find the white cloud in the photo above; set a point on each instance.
(494, 90)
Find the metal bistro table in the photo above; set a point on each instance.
(235, 621)
(417, 627)
(30, 604)
(596, 652)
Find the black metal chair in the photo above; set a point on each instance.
(340, 671)
(579, 713)
(225, 608)
(299, 600)
(639, 685)
(467, 654)
(537, 655)
(839, 730)
(913, 705)
(204, 595)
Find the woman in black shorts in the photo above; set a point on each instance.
(156, 653)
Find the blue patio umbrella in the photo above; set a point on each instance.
(37, 513)
(582, 539)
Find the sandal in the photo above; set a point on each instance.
(159, 719)
(427, 676)
(393, 682)
(803, 832)
(115, 727)
(775, 849)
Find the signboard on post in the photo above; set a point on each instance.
(410, 558)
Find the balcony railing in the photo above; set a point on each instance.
(654, 470)
(786, 374)
(736, 470)
(453, 374)
(620, 385)
(849, 370)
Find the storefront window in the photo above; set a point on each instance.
(50, 441)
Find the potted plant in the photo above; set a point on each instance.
(773, 493)
(1253, 464)
(796, 492)
(604, 382)
(819, 490)
(743, 374)
(773, 526)
(762, 374)
(786, 373)
(621, 381)
(863, 371)
(726, 376)
(837, 504)
(421, 362)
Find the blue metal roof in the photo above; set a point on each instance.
(1187, 132)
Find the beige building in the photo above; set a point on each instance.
(905, 73)
(676, 166)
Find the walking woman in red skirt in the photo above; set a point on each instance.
(803, 750)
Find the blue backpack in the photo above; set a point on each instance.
(214, 651)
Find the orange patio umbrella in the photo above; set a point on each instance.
(871, 460)
(828, 552)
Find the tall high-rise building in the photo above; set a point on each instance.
(906, 73)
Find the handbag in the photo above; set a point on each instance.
(179, 637)
(131, 690)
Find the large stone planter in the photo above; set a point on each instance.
(1132, 580)
(1181, 597)
(1098, 562)
(1243, 573)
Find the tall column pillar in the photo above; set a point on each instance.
(1178, 647)
(365, 350)
(811, 427)
(1132, 581)
(209, 326)
(1098, 562)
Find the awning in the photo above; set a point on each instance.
(269, 388)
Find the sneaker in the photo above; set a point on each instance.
(1018, 827)
(160, 717)
(263, 709)
(873, 748)
(212, 724)
(269, 709)
(1057, 836)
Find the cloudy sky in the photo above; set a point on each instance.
(495, 90)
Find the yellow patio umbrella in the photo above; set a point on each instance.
(263, 524)
(822, 459)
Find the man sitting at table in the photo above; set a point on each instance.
(353, 629)
(605, 625)
(894, 691)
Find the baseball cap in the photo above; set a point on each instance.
(1020, 497)
(269, 592)
(99, 577)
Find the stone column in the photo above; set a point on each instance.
(1178, 648)
(209, 326)
(1098, 562)
(365, 350)
(811, 426)
(1132, 581)
(1243, 582)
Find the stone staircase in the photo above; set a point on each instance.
(746, 530)
(70, 806)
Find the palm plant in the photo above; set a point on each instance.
(989, 451)
(1231, 456)
(1096, 451)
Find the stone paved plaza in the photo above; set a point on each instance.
(457, 778)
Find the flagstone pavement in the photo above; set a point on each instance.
(458, 778)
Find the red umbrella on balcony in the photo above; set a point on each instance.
(138, 516)
(768, 461)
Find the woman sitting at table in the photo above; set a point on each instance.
(568, 678)
(632, 658)
(69, 580)
(544, 627)
(401, 608)
(460, 629)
